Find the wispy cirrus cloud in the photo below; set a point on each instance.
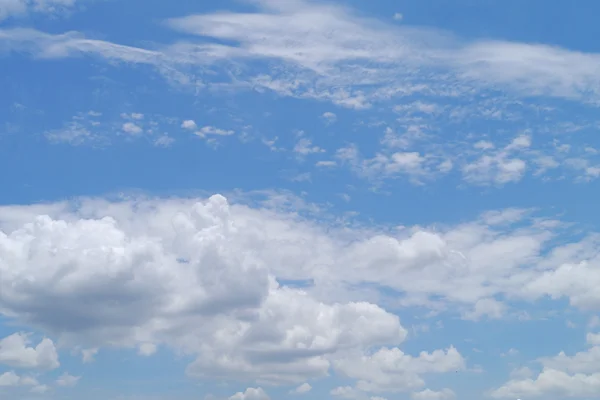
(350, 60)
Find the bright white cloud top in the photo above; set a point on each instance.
(298, 199)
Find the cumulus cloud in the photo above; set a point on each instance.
(304, 388)
(329, 117)
(429, 394)
(251, 394)
(131, 128)
(391, 370)
(561, 375)
(189, 124)
(184, 280)
(500, 167)
(593, 339)
(15, 352)
(202, 276)
(305, 147)
(67, 380)
(10, 378)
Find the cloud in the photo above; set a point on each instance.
(67, 380)
(164, 141)
(134, 116)
(551, 382)
(347, 392)
(384, 165)
(10, 378)
(562, 375)
(166, 279)
(212, 131)
(288, 33)
(189, 124)
(18, 8)
(391, 370)
(304, 388)
(202, 276)
(326, 164)
(304, 147)
(428, 394)
(205, 131)
(500, 167)
(14, 352)
(251, 394)
(40, 389)
(75, 133)
(593, 339)
(12, 7)
(131, 128)
(329, 117)
(366, 61)
(87, 355)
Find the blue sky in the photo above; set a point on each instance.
(281, 199)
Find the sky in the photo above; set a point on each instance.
(288, 199)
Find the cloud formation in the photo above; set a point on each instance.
(202, 277)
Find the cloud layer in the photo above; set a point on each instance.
(201, 277)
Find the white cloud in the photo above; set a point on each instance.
(164, 141)
(390, 370)
(74, 133)
(326, 164)
(484, 145)
(131, 128)
(304, 388)
(500, 167)
(551, 382)
(521, 373)
(562, 375)
(189, 125)
(491, 308)
(14, 352)
(67, 380)
(366, 61)
(329, 117)
(398, 16)
(211, 130)
(535, 68)
(147, 349)
(429, 394)
(593, 339)
(134, 116)
(214, 293)
(166, 265)
(12, 7)
(347, 392)
(304, 147)
(251, 394)
(40, 389)
(412, 164)
(87, 355)
(10, 378)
